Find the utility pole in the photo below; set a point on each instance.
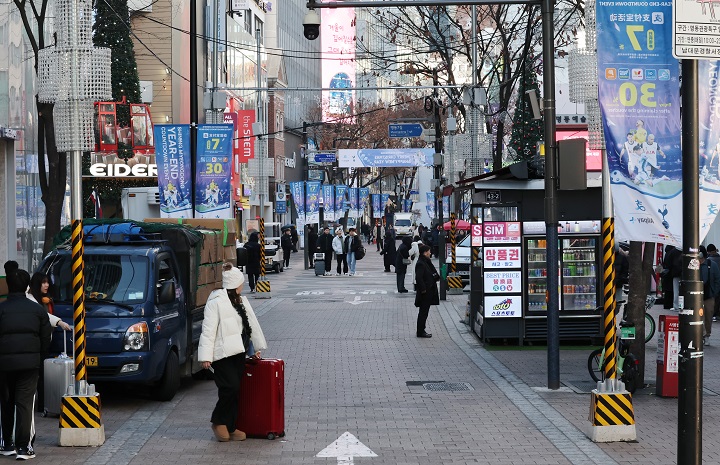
(193, 100)
(438, 189)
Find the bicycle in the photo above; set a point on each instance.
(627, 363)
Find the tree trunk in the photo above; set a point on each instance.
(640, 259)
(53, 180)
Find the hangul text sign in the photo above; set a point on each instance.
(498, 282)
(501, 257)
(499, 232)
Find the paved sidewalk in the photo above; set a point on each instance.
(353, 364)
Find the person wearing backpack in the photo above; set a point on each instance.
(710, 274)
(352, 244)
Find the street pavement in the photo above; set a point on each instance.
(353, 366)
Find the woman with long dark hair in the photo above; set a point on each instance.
(426, 277)
(40, 293)
(228, 328)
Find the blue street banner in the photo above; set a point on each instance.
(446, 208)
(377, 206)
(709, 132)
(172, 153)
(407, 205)
(385, 158)
(340, 201)
(430, 205)
(384, 200)
(328, 191)
(312, 202)
(353, 201)
(213, 192)
(297, 190)
(364, 198)
(638, 87)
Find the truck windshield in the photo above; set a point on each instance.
(118, 278)
(399, 222)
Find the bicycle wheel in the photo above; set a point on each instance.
(649, 327)
(595, 365)
(630, 375)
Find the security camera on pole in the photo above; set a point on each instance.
(73, 74)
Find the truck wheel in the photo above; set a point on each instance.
(169, 384)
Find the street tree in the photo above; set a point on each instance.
(437, 40)
(52, 165)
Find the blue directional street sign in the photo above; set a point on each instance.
(405, 130)
(325, 157)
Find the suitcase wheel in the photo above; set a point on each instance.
(271, 436)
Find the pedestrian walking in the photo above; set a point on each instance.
(24, 340)
(378, 235)
(414, 256)
(295, 238)
(228, 328)
(436, 240)
(710, 274)
(402, 260)
(389, 252)
(325, 245)
(312, 245)
(339, 247)
(352, 243)
(253, 259)
(286, 243)
(427, 291)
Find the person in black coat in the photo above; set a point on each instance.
(253, 259)
(324, 243)
(24, 340)
(286, 243)
(378, 235)
(426, 278)
(403, 253)
(295, 238)
(389, 251)
(312, 245)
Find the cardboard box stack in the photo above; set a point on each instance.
(212, 254)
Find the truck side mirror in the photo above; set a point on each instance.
(166, 292)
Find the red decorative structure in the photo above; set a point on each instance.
(109, 136)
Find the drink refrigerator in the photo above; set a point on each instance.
(580, 283)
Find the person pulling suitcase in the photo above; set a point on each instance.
(228, 327)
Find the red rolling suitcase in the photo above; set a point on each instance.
(261, 410)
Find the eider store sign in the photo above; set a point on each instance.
(139, 170)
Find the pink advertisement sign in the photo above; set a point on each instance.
(496, 232)
(246, 118)
(337, 36)
(476, 233)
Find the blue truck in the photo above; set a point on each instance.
(140, 285)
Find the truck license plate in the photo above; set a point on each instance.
(91, 361)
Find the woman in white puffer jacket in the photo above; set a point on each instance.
(228, 327)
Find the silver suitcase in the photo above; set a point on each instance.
(58, 375)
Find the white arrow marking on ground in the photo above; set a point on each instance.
(357, 301)
(345, 448)
(310, 293)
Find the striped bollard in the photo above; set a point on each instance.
(80, 418)
(612, 418)
(262, 287)
(454, 280)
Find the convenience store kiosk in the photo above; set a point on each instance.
(509, 279)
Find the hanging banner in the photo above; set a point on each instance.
(364, 199)
(328, 202)
(639, 97)
(340, 201)
(389, 158)
(312, 202)
(709, 132)
(297, 190)
(172, 154)
(430, 205)
(353, 201)
(446, 208)
(246, 118)
(384, 200)
(212, 175)
(407, 205)
(377, 206)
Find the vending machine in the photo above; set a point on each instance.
(580, 283)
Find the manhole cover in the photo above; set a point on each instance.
(447, 387)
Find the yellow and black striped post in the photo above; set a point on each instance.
(608, 240)
(80, 419)
(262, 287)
(454, 280)
(612, 409)
(78, 287)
